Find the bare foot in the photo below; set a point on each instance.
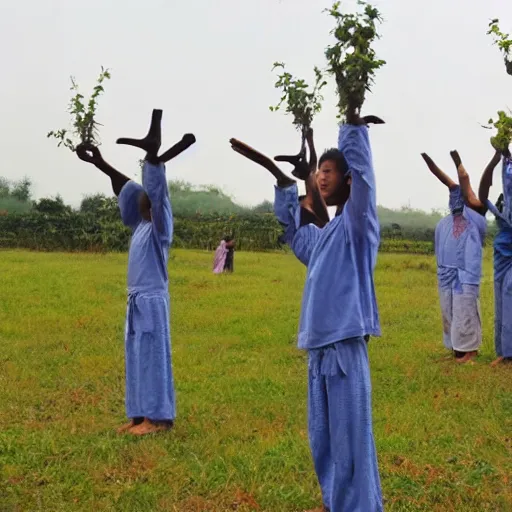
(149, 427)
(128, 426)
(501, 360)
(467, 358)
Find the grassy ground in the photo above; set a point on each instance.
(444, 433)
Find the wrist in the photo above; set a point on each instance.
(285, 182)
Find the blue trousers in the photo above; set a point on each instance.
(149, 379)
(503, 315)
(340, 427)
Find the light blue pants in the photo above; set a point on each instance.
(149, 380)
(340, 427)
(503, 315)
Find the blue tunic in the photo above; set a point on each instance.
(459, 241)
(339, 308)
(503, 267)
(149, 378)
(301, 239)
(339, 299)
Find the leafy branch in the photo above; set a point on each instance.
(85, 126)
(352, 60)
(503, 123)
(301, 102)
(503, 42)
(503, 138)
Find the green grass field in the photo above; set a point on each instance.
(444, 433)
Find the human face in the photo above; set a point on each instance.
(331, 183)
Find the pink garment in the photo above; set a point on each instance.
(220, 258)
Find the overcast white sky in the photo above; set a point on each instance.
(208, 63)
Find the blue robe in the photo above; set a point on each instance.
(459, 240)
(149, 379)
(339, 309)
(301, 238)
(503, 267)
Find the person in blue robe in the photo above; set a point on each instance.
(146, 210)
(459, 241)
(339, 312)
(502, 254)
(302, 217)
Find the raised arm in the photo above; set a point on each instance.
(264, 161)
(91, 154)
(155, 184)
(306, 171)
(354, 143)
(468, 193)
(486, 180)
(286, 199)
(438, 173)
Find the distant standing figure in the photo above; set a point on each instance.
(224, 256)
(459, 240)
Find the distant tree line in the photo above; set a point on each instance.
(202, 216)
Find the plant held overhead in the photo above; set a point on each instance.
(503, 123)
(83, 114)
(503, 42)
(300, 101)
(352, 59)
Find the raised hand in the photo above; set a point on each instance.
(152, 141)
(302, 168)
(89, 153)
(457, 161)
(353, 117)
(299, 162)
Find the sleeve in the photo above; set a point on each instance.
(354, 143)
(492, 208)
(286, 209)
(128, 201)
(155, 185)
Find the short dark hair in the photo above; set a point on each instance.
(228, 239)
(337, 157)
